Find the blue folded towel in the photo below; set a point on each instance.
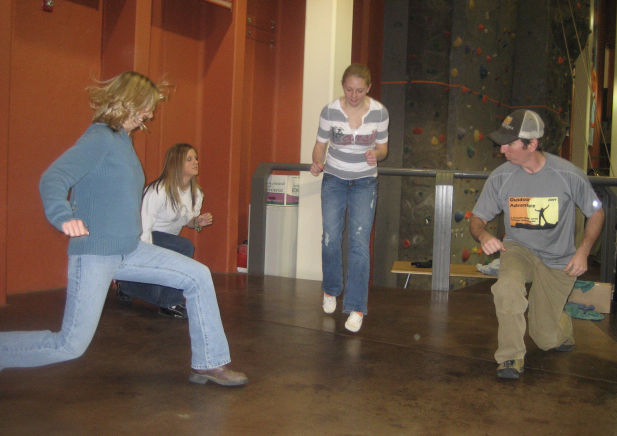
(584, 285)
(575, 311)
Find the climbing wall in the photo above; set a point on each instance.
(470, 63)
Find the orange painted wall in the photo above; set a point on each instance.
(49, 58)
(52, 58)
(5, 103)
(367, 39)
(273, 87)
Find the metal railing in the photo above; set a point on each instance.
(442, 234)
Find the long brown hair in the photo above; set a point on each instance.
(171, 176)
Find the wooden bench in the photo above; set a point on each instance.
(456, 270)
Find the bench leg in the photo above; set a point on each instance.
(407, 280)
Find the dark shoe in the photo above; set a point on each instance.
(178, 311)
(223, 375)
(511, 369)
(122, 296)
(563, 347)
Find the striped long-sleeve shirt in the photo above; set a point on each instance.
(347, 146)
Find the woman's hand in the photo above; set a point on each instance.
(371, 157)
(204, 220)
(316, 168)
(74, 228)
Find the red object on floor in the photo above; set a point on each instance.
(242, 255)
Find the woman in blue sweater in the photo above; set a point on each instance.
(102, 218)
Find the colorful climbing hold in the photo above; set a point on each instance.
(459, 216)
(406, 243)
(483, 72)
(465, 255)
(468, 214)
(442, 137)
(417, 130)
(434, 140)
(457, 42)
(454, 72)
(470, 151)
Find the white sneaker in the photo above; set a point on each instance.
(329, 303)
(354, 322)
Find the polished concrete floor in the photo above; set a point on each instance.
(421, 365)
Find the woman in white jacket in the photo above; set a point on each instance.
(170, 202)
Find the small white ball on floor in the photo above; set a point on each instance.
(416, 337)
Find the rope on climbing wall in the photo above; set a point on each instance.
(587, 71)
(466, 89)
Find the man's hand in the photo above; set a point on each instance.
(578, 264)
(490, 244)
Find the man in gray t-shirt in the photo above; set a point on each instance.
(538, 193)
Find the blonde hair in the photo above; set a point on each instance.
(358, 70)
(171, 176)
(116, 100)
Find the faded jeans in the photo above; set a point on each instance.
(89, 277)
(162, 296)
(357, 199)
(549, 325)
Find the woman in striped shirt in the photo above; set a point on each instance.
(351, 139)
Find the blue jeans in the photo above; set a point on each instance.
(358, 199)
(89, 277)
(162, 296)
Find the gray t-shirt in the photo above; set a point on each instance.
(539, 209)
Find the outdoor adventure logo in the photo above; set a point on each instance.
(534, 212)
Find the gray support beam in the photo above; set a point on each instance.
(442, 230)
(257, 219)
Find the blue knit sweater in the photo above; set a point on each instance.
(105, 180)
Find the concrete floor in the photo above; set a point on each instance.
(421, 365)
